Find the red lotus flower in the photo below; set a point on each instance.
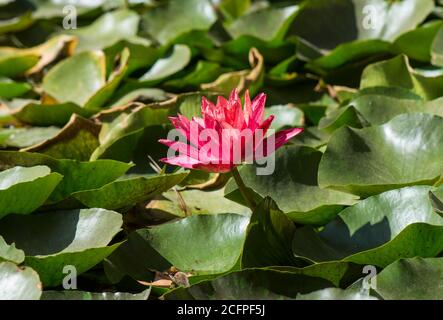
(226, 136)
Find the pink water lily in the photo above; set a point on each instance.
(226, 135)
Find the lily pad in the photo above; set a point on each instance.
(77, 176)
(18, 284)
(127, 192)
(379, 230)
(146, 249)
(411, 279)
(77, 140)
(165, 67)
(252, 284)
(168, 21)
(51, 241)
(83, 295)
(107, 30)
(10, 252)
(35, 183)
(405, 151)
(293, 186)
(397, 72)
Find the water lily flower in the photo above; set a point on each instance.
(226, 136)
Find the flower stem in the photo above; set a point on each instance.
(243, 189)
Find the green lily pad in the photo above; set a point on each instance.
(26, 137)
(285, 116)
(269, 24)
(76, 79)
(10, 252)
(197, 202)
(336, 294)
(379, 230)
(340, 273)
(168, 21)
(204, 72)
(411, 279)
(77, 140)
(242, 80)
(13, 64)
(107, 30)
(54, 240)
(83, 295)
(10, 89)
(417, 43)
(121, 136)
(251, 284)
(359, 20)
(81, 79)
(35, 184)
(18, 284)
(293, 186)
(165, 67)
(397, 72)
(37, 114)
(77, 176)
(147, 249)
(127, 192)
(405, 151)
(268, 239)
(142, 95)
(437, 49)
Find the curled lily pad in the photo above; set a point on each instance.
(77, 140)
(81, 79)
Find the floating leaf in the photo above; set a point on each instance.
(411, 279)
(10, 252)
(83, 295)
(405, 151)
(51, 241)
(35, 184)
(252, 284)
(77, 176)
(165, 67)
(167, 22)
(18, 284)
(147, 249)
(77, 140)
(127, 192)
(10, 89)
(268, 24)
(107, 30)
(26, 137)
(397, 72)
(293, 186)
(379, 230)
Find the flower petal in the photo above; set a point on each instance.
(280, 138)
(258, 108)
(183, 148)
